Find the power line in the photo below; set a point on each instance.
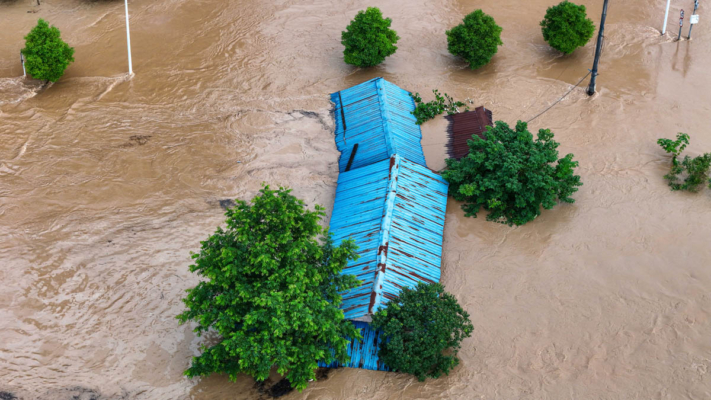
(560, 99)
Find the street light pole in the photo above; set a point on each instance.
(598, 49)
(666, 18)
(128, 41)
(696, 6)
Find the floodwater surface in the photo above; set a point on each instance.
(107, 183)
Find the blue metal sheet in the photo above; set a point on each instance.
(394, 210)
(377, 116)
(363, 354)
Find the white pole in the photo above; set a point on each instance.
(128, 41)
(666, 18)
(24, 73)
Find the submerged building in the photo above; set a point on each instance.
(387, 201)
(374, 122)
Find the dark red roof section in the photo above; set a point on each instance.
(461, 128)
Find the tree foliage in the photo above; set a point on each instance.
(46, 54)
(271, 292)
(368, 39)
(423, 330)
(511, 175)
(426, 111)
(476, 40)
(696, 170)
(567, 27)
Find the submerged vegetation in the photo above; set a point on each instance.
(46, 54)
(476, 39)
(511, 175)
(695, 170)
(566, 27)
(368, 40)
(426, 111)
(271, 292)
(423, 329)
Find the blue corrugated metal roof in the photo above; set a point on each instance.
(376, 116)
(363, 354)
(394, 210)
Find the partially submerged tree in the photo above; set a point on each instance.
(422, 331)
(46, 54)
(696, 170)
(368, 39)
(271, 292)
(425, 111)
(566, 27)
(476, 40)
(512, 175)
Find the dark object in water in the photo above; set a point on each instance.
(226, 203)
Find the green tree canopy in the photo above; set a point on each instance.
(46, 54)
(368, 39)
(511, 175)
(566, 27)
(423, 329)
(271, 292)
(476, 40)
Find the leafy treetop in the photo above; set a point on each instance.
(271, 292)
(46, 54)
(567, 27)
(368, 39)
(476, 40)
(511, 175)
(423, 329)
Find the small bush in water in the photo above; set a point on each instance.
(567, 27)
(46, 54)
(696, 170)
(368, 39)
(426, 111)
(476, 40)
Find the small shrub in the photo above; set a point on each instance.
(368, 39)
(423, 330)
(567, 27)
(511, 175)
(46, 54)
(426, 111)
(696, 170)
(270, 291)
(476, 40)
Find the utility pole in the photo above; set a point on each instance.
(693, 19)
(598, 49)
(22, 60)
(681, 23)
(666, 18)
(128, 41)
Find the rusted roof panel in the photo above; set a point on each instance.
(461, 128)
(376, 115)
(363, 354)
(394, 210)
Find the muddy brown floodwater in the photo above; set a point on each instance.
(107, 184)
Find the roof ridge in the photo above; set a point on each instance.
(377, 292)
(385, 115)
